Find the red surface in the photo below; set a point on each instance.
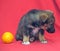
(10, 14)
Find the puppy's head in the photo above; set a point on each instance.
(47, 17)
(50, 23)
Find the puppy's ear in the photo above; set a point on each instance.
(44, 17)
(49, 11)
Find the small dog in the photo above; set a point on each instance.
(33, 24)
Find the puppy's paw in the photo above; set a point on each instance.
(44, 41)
(32, 39)
(26, 43)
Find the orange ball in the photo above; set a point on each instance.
(7, 37)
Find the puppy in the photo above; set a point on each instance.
(33, 24)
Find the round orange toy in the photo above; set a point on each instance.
(7, 37)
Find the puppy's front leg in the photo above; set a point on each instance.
(41, 36)
(25, 40)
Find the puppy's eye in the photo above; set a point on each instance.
(51, 20)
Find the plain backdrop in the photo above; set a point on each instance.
(10, 13)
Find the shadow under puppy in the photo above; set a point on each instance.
(33, 24)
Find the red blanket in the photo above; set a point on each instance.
(10, 14)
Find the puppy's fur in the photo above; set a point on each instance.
(33, 24)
